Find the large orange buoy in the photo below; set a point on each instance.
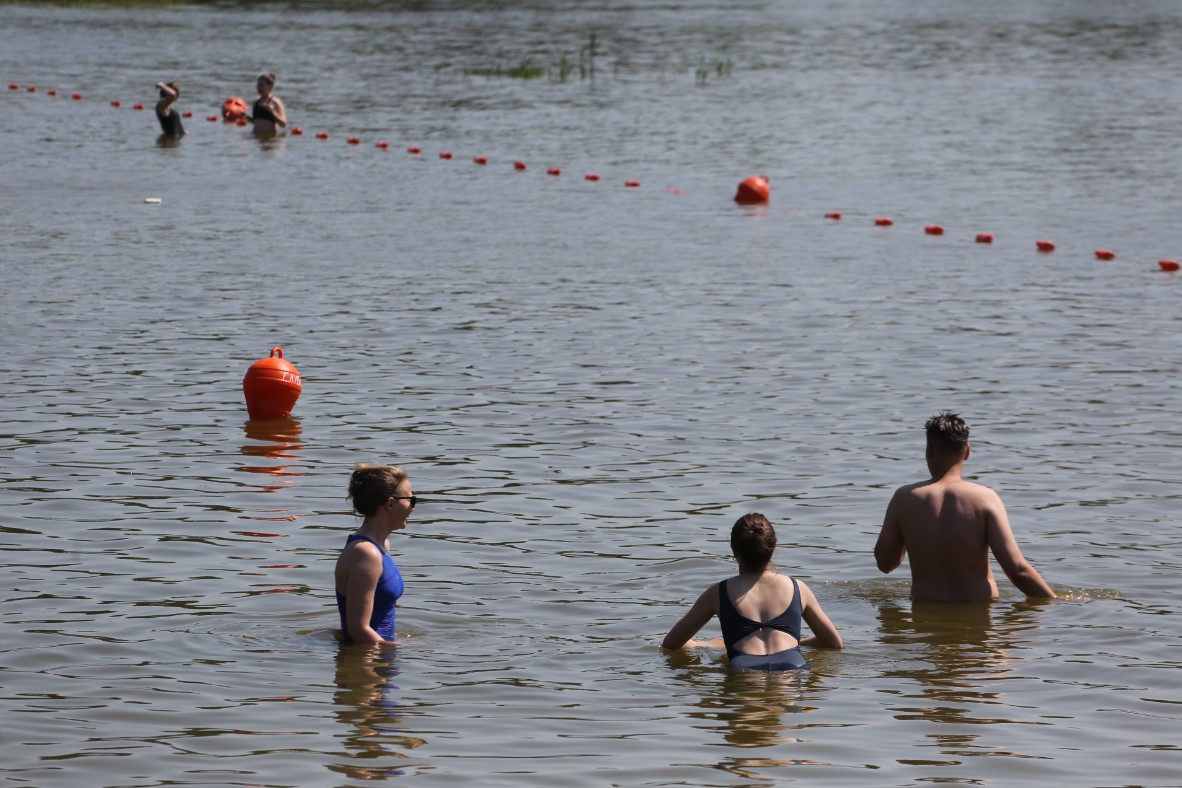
(933, 229)
(984, 238)
(1044, 246)
(754, 190)
(232, 109)
(1169, 265)
(272, 386)
(1105, 254)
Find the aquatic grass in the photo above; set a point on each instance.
(526, 69)
(583, 64)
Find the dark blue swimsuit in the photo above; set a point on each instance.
(736, 626)
(170, 124)
(390, 587)
(263, 112)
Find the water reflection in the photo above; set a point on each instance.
(756, 709)
(961, 654)
(270, 141)
(368, 703)
(276, 439)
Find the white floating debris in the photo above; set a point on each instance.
(153, 200)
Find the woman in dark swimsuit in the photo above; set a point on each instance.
(170, 119)
(759, 609)
(368, 583)
(268, 114)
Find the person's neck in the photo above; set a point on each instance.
(747, 572)
(375, 530)
(946, 472)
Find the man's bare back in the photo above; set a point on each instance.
(947, 527)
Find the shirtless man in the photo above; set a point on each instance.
(949, 526)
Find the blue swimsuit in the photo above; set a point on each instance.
(385, 596)
(736, 626)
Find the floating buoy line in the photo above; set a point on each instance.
(754, 190)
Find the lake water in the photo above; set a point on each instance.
(588, 382)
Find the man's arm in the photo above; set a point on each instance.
(890, 549)
(1009, 556)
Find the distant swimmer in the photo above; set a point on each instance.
(759, 610)
(170, 119)
(368, 583)
(268, 114)
(947, 527)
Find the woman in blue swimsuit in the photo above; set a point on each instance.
(367, 579)
(759, 610)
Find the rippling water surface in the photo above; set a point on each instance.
(589, 383)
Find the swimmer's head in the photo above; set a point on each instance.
(753, 540)
(370, 486)
(947, 433)
(268, 80)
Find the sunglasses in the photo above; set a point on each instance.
(414, 499)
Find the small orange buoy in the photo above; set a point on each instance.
(297, 131)
(381, 144)
(116, 103)
(271, 386)
(674, 190)
(632, 184)
(883, 221)
(51, 92)
(480, 160)
(984, 238)
(13, 86)
(445, 154)
(1168, 265)
(590, 177)
(1105, 254)
(414, 150)
(1044, 246)
(212, 118)
(31, 89)
(137, 105)
(834, 215)
(322, 135)
(76, 96)
(933, 229)
(754, 190)
(353, 140)
(519, 165)
(187, 113)
(554, 171)
(233, 108)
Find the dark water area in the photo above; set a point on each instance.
(588, 382)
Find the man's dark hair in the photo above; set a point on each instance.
(947, 432)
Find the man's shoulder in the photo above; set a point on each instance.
(976, 490)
